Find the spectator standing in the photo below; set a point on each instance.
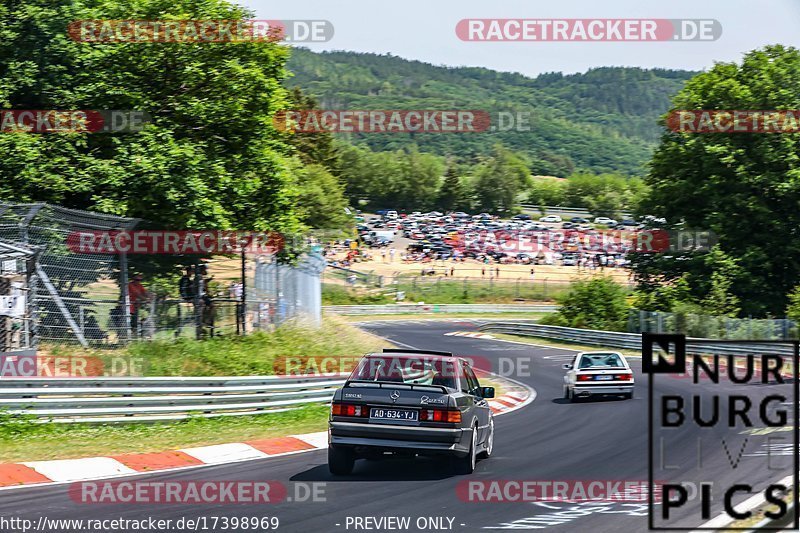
(186, 285)
(137, 295)
(533, 273)
(391, 255)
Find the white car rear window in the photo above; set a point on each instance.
(597, 360)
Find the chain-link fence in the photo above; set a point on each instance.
(75, 293)
(17, 278)
(712, 327)
(108, 298)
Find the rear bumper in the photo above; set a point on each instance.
(583, 390)
(400, 438)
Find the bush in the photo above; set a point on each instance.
(599, 303)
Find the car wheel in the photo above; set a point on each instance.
(487, 452)
(340, 461)
(566, 393)
(628, 396)
(466, 465)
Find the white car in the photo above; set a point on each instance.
(605, 221)
(550, 218)
(598, 374)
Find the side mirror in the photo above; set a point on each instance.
(487, 392)
(567, 366)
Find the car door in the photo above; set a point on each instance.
(482, 410)
(570, 377)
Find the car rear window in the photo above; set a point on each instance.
(601, 360)
(411, 370)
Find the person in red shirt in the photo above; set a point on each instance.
(137, 295)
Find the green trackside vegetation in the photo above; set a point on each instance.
(251, 355)
(444, 292)
(21, 438)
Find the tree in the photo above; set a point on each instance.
(451, 194)
(793, 309)
(499, 180)
(595, 304)
(211, 157)
(321, 202)
(743, 186)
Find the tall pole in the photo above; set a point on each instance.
(277, 291)
(243, 311)
(198, 307)
(126, 298)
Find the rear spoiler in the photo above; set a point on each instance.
(390, 385)
(424, 352)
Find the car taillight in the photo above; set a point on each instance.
(440, 415)
(346, 409)
(585, 377)
(624, 377)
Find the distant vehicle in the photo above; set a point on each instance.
(568, 225)
(388, 235)
(521, 217)
(629, 222)
(605, 221)
(392, 215)
(569, 260)
(598, 374)
(378, 242)
(410, 403)
(579, 220)
(550, 218)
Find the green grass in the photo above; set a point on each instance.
(445, 292)
(23, 440)
(251, 355)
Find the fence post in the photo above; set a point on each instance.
(242, 315)
(126, 299)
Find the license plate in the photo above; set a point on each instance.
(604, 378)
(393, 414)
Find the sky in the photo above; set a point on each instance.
(425, 30)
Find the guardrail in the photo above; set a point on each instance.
(398, 309)
(117, 400)
(631, 341)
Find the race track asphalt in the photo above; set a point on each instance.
(550, 439)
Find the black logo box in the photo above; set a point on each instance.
(676, 346)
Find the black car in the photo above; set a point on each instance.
(579, 220)
(410, 403)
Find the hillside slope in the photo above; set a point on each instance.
(603, 120)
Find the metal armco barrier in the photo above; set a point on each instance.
(631, 341)
(399, 309)
(115, 400)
